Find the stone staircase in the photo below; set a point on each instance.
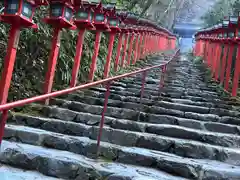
(188, 132)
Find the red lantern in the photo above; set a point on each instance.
(84, 15)
(113, 20)
(60, 14)
(20, 12)
(100, 17)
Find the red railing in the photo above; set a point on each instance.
(149, 38)
(216, 45)
(6, 107)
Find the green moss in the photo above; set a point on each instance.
(31, 109)
(198, 60)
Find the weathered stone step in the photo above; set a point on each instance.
(174, 83)
(155, 95)
(217, 102)
(145, 101)
(170, 130)
(167, 90)
(151, 109)
(130, 114)
(195, 103)
(181, 147)
(176, 93)
(116, 112)
(68, 165)
(119, 96)
(136, 106)
(11, 173)
(179, 80)
(155, 87)
(159, 160)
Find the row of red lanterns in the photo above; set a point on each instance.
(81, 15)
(209, 45)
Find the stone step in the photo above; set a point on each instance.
(156, 88)
(169, 80)
(117, 103)
(136, 106)
(181, 147)
(176, 93)
(156, 91)
(177, 82)
(165, 95)
(67, 165)
(130, 114)
(214, 100)
(145, 101)
(203, 104)
(135, 156)
(11, 173)
(170, 130)
(174, 83)
(151, 97)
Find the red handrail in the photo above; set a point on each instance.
(5, 107)
(22, 102)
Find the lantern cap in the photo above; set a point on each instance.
(110, 5)
(233, 19)
(225, 23)
(95, 2)
(38, 2)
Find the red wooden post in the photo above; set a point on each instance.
(52, 61)
(236, 73)
(118, 52)
(144, 45)
(215, 51)
(9, 63)
(209, 54)
(224, 59)
(94, 57)
(213, 56)
(130, 49)
(136, 49)
(77, 58)
(150, 44)
(229, 65)
(110, 48)
(147, 45)
(217, 61)
(124, 49)
(205, 51)
(140, 47)
(197, 48)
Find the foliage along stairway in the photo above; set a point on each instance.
(188, 131)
